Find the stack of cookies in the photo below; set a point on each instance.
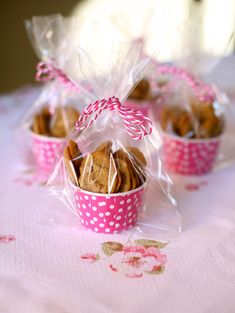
(200, 122)
(104, 171)
(57, 124)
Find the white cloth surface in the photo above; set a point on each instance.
(42, 270)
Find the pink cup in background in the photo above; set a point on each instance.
(189, 156)
(44, 150)
(108, 213)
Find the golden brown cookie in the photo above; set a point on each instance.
(101, 158)
(105, 147)
(211, 127)
(74, 154)
(45, 112)
(122, 155)
(170, 117)
(202, 110)
(200, 122)
(62, 121)
(96, 177)
(73, 160)
(40, 125)
(137, 155)
(122, 166)
(141, 91)
(184, 125)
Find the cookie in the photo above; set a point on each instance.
(124, 171)
(135, 180)
(96, 177)
(62, 121)
(137, 155)
(201, 122)
(211, 127)
(45, 112)
(141, 91)
(101, 158)
(40, 125)
(105, 147)
(202, 110)
(184, 125)
(73, 160)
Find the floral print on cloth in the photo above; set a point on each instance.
(7, 238)
(133, 260)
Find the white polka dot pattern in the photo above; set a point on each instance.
(45, 152)
(189, 157)
(109, 213)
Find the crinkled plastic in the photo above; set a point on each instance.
(111, 181)
(148, 94)
(194, 115)
(53, 114)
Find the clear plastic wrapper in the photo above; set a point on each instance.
(194, 116)
(55, 111)
(147, 94)
(109, 172)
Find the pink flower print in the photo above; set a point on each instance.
(7, 238)
(90, 257)
(134, 261)
(144, 256)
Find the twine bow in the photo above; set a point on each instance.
(136, 124)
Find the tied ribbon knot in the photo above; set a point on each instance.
(136, 124)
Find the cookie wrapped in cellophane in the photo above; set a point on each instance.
(192, 123)
(196, 113)
(108, 170)
(57, 107)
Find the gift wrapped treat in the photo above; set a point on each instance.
(55, 111)
(110, 172)
(48, 128)
(192, 122)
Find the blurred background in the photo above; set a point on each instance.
(177, 29)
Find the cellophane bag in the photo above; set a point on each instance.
(148, 92)
(54, 113)
(109, 171)
(194, 117)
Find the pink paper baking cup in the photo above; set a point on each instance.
(108, 213)
(189, 156)
(44, 150)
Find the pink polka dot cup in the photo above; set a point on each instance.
(108, 213)
(44, 150)
(189, 156)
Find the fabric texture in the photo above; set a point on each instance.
(42, 268)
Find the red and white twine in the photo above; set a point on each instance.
(204, 92)
(136, 124)
(47, 71)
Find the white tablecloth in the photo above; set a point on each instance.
(45, 268)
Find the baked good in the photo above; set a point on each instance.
(103, 171)
(141, 91)
(57, 124)
(73, 160)
(62, 121)
(199, 122)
